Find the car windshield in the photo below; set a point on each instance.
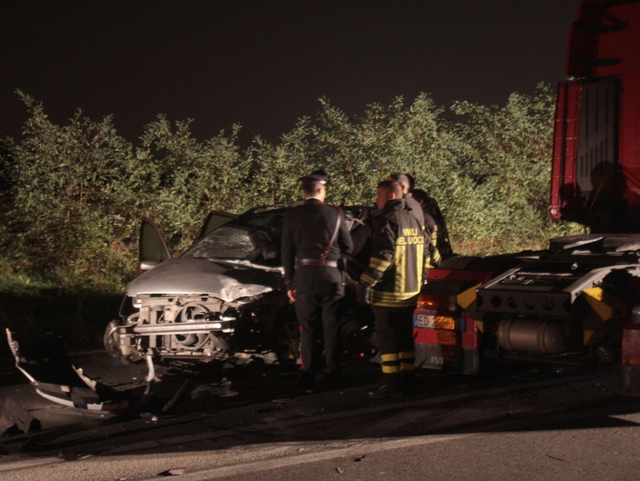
(227, 242)
(253, 238)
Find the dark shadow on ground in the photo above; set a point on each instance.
(80, 319)
(269, 407)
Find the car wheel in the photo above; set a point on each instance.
(111, 339)
(286, 339)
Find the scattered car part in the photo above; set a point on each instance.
(48, 367)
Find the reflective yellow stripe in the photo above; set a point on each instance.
(401, 265)
(367, 279)
(419, 263)
(408, 360)
(394, 303)
(389, 357)
(379, 264)
(394, 296)
(391, 369)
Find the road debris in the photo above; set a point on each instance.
(558, 459)
(48, 367)
(282, 400)
(15, 419)
(339, 470)
(359, 458)
(175, 398)
(221, 389)
(173, 472)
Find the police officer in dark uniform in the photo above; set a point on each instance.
(314, 236)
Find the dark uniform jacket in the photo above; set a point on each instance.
(440, 237)
(431, 228)
(306, 233)
(396, 268)
(415, 209)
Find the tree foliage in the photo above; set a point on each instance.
(73, 195)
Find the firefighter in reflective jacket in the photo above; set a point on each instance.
(391, 284)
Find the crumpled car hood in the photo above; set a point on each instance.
(200, 276)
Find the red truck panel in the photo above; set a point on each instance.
(564, 195)
(630, 135)
(603, 47)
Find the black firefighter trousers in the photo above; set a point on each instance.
(394, 334)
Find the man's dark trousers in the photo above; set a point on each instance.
(317, 302)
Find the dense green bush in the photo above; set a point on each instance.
(73, 195)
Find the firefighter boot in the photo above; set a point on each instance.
(408, 382)
(388, 388)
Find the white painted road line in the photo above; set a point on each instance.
(31, 463)
(367, 447)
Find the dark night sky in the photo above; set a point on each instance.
(265, 63)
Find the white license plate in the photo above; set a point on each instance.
(424, 321)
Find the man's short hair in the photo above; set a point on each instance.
(420, 195)
(412, 183)
(310, 189)
(311, 182)
(402, 179)
(391, 187)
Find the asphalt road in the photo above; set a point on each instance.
(523, 423)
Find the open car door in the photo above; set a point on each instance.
(152, 249)
(214, 220)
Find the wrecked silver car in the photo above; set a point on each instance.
(223, 295)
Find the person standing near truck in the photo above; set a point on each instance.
(440, 235)
(313, 238)
(431, 227)
(391, 284)
(411, 204)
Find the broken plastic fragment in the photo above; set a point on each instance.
(46, 364)
(15, 418)
(173, 472)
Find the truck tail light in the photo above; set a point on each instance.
(437, 303)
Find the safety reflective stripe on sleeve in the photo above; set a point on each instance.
(434, 259)
(379, 264)
(367, 279)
